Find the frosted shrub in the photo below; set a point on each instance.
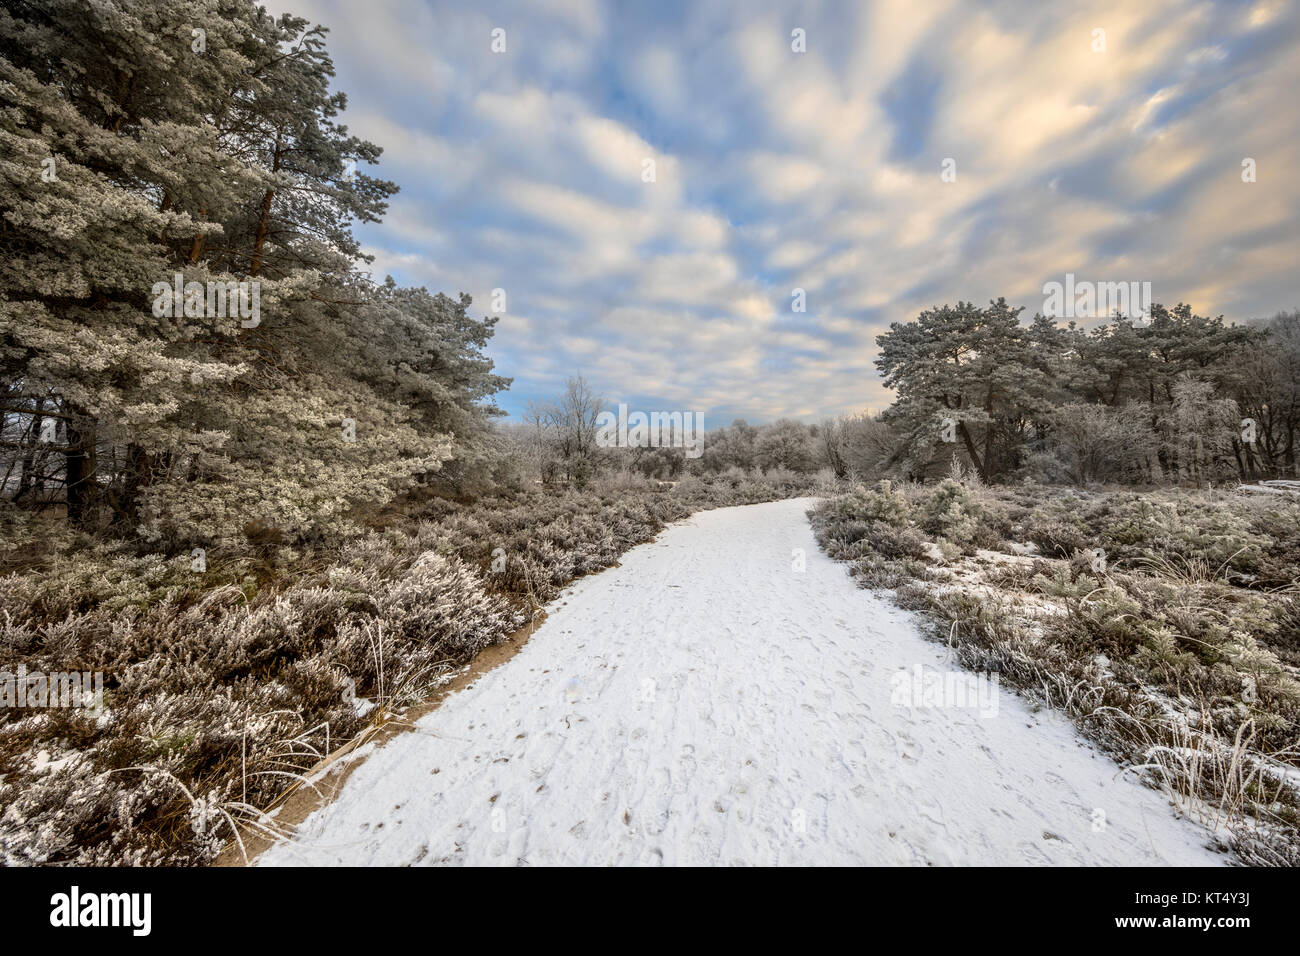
(195, 693)
(441, 603)
(693, 486)
(962, 515)
(885, 504)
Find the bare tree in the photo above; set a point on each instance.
(856, 446)
(564, 429)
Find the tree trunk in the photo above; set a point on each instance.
(263, 227)
(264, 217)
(139, 475)
(974, 455)
(79, 468)
(27, 478)
(196, 247)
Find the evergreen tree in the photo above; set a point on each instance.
(148, 139)
(974, 367)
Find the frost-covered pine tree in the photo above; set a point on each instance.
(144, 140)
(967, 375)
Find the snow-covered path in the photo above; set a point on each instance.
(706, 703)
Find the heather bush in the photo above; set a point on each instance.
(966, 517)
(209, 696)
(881, 504)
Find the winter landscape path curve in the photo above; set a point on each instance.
(706, 702)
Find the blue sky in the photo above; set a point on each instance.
(776, 170)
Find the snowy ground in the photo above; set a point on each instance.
(707, 703)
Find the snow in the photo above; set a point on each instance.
(1287, 489)
(707, 702)
(44, 764)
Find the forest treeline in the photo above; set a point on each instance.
(1173, 398)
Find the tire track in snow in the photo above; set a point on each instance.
(704, 703)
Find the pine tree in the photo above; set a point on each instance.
(145, 139)
(975, 367)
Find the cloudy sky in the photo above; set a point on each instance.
(775, 170)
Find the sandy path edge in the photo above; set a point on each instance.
(331, 772)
